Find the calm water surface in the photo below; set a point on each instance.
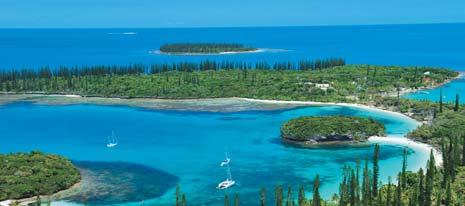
(449, 92)
(439, 45)
(190, 145)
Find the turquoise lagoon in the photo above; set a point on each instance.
(189, 146)
(449, 92)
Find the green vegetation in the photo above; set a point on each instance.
(24, 175)
(331, 128)
(359, 187)
(451, 123)
(203, 48)
(320, 80)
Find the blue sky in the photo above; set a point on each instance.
(224, 13)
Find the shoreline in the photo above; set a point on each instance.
(310, 103)
(411, 91)
(404, 141)
(391, 140)
(30, 200)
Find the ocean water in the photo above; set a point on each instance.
(438, 45)
(189, 146)
(449, 92)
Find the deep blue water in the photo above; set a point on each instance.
(439, 45)
(190, 145)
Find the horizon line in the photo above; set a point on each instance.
(225, 27)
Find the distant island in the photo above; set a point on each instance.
(26, 175)
(204, 48)
(330, 129)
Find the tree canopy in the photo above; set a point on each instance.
(204, 48)
(25, 175)
(331, 128)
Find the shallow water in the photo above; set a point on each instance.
(190, 145)
(449, 92)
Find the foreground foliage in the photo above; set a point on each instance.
(360, 185)
(25, 175)
(331, 128)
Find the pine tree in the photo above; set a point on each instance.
(388, 193)
(178, 196)
(440, 102)
(289, 196)
(448, 200)
(236, 200)
(279, 196)
(263, 197)
(457, 102)
(421, 193)
(352, 189)
(343, 200)
(429, 182)
(375, 170)
(463, 149)
(226, 200)
(366, 186)
(379, 200)
(316, 201)
(412, 197)
(301, 198)
(445, 162)
(403, 176)
(357, 182)
(183, 201)
(398, 199)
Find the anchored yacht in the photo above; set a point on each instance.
(112, 140)
(229, 182)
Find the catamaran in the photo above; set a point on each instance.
(229, 182)
(226, 161)
(112, 141)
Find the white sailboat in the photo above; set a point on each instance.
(112, 140)
(226, 161)
(229, 182)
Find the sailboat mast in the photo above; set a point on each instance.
(228, 172)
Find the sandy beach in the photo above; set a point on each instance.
(402, 141)
(310, 103)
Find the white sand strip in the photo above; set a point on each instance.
(329, 103)
(402, 141)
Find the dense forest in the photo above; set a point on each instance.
(24, 175)
(320, 80)
(331, 128)
(203, 48)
